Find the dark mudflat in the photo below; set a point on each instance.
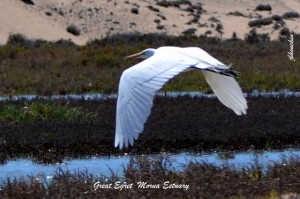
(175, 124)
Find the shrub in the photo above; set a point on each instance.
(277, 18)
(260, 22)
(160, 27)
(74, 30)
(29, 2)
(198, 7)
(208, 32)
(189, 32)
(236, 13)
(195, 19)
(21, 40)
(262, 7)
(219, 27)
(153, 8)
(166, 4)
(254, 37)
(16, 39)
(135, 11)
(157, 20)
(289, 15)
(214, 19)
(162, 17)
(48, 14)
(234, 37)
(64, 43)
(284, 32)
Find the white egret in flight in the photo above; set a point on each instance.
(139, 83)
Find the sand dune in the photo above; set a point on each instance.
(49, 19)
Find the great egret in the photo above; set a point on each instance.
(139, 83)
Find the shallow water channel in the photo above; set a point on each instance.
(98, 96)
(104, 166)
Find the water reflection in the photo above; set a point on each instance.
(104, 166)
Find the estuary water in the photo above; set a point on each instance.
(98, 96)
(105, 166)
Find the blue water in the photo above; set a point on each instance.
(104, 166)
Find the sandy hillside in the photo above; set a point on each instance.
(49, 19)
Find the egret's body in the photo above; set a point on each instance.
(139, 84)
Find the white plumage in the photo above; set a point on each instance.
(139, 84)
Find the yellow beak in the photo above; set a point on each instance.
(133, 56)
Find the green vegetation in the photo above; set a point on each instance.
(73, 30)
(41, 111)
(43, 68)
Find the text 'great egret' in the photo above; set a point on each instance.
(139, 84)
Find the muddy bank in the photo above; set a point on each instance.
(181, 123)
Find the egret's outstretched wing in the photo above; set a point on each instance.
(227, 90)
(139, 83)
(218, 76)
(137, 88)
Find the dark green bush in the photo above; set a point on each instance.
(29, 2)
(74, 30)
(277, 18)
(262, 7)
(260, 22)
(236, 13)
(16, 39)
(284, 32)
(174, 3)
(291, 14)
(189, 32)
(153, 8)
(254, 37)
(135, 11)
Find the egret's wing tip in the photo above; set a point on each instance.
(241, 112)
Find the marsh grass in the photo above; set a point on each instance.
(32, 111)
(205, 181)
(45, 68)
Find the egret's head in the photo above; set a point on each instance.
(143, 55)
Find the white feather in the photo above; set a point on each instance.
(139, 83)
